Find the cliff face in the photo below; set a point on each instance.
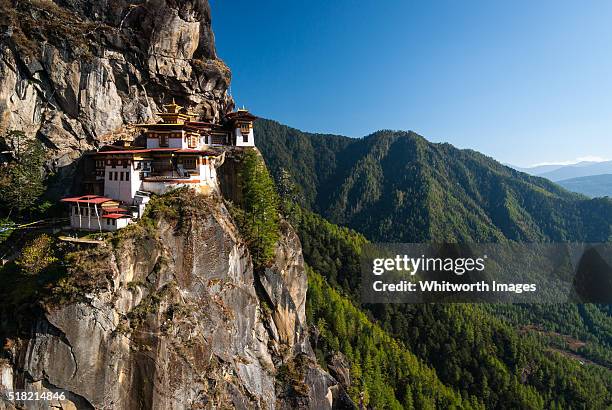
(170, 315)
(74, 73)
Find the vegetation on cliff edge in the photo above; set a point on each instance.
(257, 214)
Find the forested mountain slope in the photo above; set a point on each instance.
(397, 186)
(487, 352)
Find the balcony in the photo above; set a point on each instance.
(165, 170)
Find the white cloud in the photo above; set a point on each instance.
(588, 158)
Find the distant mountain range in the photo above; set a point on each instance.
(397, 186)
(561, 172)
(590, 178)
(592, 185)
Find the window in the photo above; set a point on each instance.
(245, 128)
(113, 163)
(116, 176)
(189, 163)
(163, 140)
(193, 141)
(127, 176)
(125, 163)
(245, 137)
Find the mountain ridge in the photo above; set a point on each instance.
(393, 179)
(558, 173)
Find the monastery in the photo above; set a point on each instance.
(178, 151)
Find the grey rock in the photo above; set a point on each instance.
(112, 64)
(339, 368)
(172, 320)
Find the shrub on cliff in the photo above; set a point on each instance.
(37, 255)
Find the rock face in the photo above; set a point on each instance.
(170, 315)
(74, 73)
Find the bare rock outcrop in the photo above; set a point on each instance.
(75, 73)
(170, 315)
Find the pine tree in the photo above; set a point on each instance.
(21, 180)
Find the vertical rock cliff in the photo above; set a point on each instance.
(74, 73)
(169, 314)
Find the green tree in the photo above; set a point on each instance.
(257, 215)
(288, 190)
(21, 180)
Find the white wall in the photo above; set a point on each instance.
(89, 222)
(152, 143)
(92, 222)
(239, 138)
(172, 142)
(204, 171)
(125, 190)
(109, 224)
(177, 143)
(208, 172)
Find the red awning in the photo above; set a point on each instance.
(87, 199)
(115, 216)
(137, 151)
(114, 210)
(209, 153)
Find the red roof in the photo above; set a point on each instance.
(172, 181)
(115, 216)
(114, 210)
(151, 150)
(240, 114)
(138, 151)
(196, 151)
(87, 199)
(200, 123)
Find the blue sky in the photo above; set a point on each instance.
(524, 81)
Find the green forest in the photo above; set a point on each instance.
(472, 349)
(399, 187)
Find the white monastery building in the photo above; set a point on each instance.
(178, 152)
